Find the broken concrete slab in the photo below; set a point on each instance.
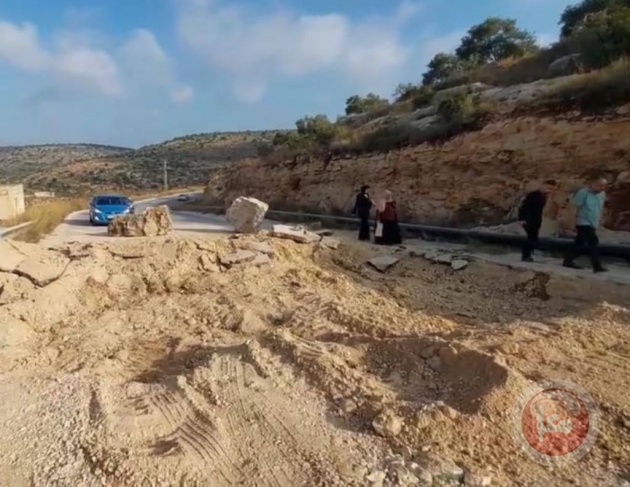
(443, 259)
(431, 255)
(261, 247)
(329, 243)
(238, 257)
(459, 264)
(261, 260)
(10, 257)
(297, 234)
(383, 262)
(43, 269)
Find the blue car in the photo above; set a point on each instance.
(104, 208)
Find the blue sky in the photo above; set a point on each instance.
(133, 72)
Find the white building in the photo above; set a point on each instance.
(11, 201)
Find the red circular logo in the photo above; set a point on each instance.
(555, 422)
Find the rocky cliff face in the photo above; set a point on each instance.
(474, 179)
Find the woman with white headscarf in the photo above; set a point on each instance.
(387, 229)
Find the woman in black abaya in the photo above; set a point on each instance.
(362, 208)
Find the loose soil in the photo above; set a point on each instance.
(148, 362)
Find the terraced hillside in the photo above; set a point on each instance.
(75, 169)
(18, 163)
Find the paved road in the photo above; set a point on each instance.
(78, 228)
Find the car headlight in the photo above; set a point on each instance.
(97, 211)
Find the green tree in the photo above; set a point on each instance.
(357, 104)
(603, 37)
(574, 15)
(495, 39)
(442, 67)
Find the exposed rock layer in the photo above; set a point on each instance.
(474, 179)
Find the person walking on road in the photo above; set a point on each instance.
(362, 208)
(530, 216)
(589, 204)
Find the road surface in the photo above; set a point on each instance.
(77, 227)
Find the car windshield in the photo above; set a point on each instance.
(110, 200)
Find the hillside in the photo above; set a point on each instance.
(487, 123)
(77, 169)
(19, 162)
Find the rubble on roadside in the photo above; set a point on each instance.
(152, 222)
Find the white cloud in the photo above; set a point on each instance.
(19, 45)
(147, 64)
(88, 68)
(253, 49)
(73, 64)
(76, 66)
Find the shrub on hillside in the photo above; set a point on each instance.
(423, 97)
(464, 111)
(317, 129)
(595, 91)
(356, 104)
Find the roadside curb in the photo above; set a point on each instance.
(9, 231)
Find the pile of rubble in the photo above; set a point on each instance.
(457, 260)
(153, 222)
(260, 253)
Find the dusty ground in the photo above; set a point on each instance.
(149, 363)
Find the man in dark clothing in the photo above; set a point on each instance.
(362, 208)
(530, 216)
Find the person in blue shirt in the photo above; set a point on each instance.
(589, 205)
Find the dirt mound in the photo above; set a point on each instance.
(171, 362)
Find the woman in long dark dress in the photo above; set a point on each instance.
(362, 208)
(388, 230)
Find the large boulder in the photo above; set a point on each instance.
(246, 214)
(565, 66)
(152, 222)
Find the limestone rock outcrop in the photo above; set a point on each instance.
(153, 222)
(474, 179)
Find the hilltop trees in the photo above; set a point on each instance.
(574, 15)
(598, 29)
(495, 39)
(442, 67)
(491, 41)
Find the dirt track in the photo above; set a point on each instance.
(148, 363)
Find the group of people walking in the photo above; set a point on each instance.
(588, 203)
(589, 207)
(387, 230)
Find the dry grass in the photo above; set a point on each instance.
(594, 91)
(46, 217)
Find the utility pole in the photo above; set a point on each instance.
(165, 176)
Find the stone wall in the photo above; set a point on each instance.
(474, 179)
